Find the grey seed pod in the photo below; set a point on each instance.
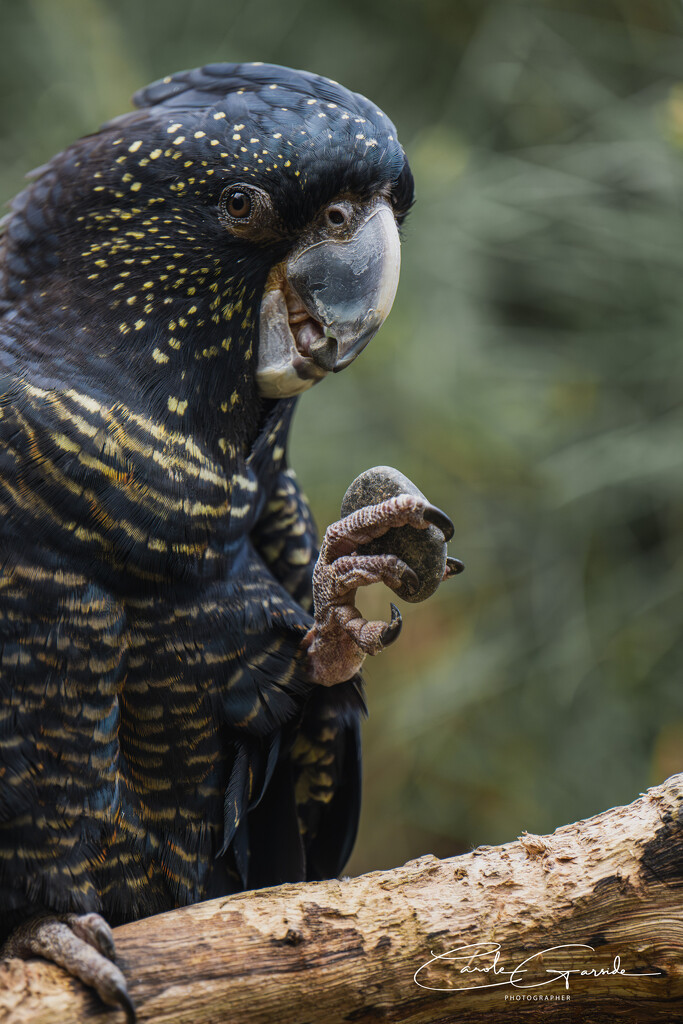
(424, 551)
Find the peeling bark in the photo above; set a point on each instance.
(349, 950)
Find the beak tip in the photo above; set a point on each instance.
(325, 354)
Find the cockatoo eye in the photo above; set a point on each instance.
(237, 205)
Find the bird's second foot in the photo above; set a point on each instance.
(83, 945)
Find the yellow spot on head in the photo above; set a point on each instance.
(199, 135)
(136, 186)
(134, 146)
(173, 128)
(177, 141)
(155, 154)
(310, 102)
(175, 405)
(159, 356)
(218, 115)
(139, 324)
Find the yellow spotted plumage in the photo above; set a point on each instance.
(160, 739)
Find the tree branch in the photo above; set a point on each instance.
(349, 950)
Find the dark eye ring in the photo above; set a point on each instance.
(238, 205)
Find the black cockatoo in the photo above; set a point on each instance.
(178, 719)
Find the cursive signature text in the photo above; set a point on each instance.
(484, 959)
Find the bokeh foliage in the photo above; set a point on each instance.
(529, 379)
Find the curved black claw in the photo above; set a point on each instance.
(411, 580)
(436, 517)
(453, 567)
(128, 1006)
(392, 630)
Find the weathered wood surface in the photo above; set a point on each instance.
(349, 950)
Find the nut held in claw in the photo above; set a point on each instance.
(424, 551)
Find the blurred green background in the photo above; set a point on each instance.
(528, 380)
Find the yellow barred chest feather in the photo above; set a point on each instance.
(142, 629)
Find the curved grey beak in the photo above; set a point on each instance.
(348, 286)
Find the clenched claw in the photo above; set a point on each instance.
(83, 945)
(437, 518)
(392, 631)
(354, 571)
(411, 580)
(453, 567)
(372, 521)
(340, 637)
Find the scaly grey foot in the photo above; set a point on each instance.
(340, 637)
(83, 945)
